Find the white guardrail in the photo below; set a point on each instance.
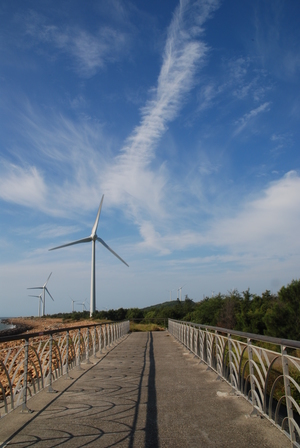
(264, 370)
(30, 362)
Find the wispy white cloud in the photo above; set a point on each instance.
(276, 42)
(235, 79)
(244, 121)
(246, 81)
(91, 52)
(206, 165)
(46, 231)
(72, 164)
(131, 175)
(263, 228)
(282, 142)
(267, 225)
(208, 94)
(24, 186)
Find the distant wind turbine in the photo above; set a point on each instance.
(44, 288)
(93, 238)
(83, 305)
(170, 291)
(73, 301)
(40, 301)
(180, 289)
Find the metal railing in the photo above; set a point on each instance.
(30, 362)
(264, 370)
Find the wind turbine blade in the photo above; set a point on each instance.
(107, 247)
(48, 279)
(30, 295)
(36, 287)
(94, 229)
(49, 294)
(83, 240)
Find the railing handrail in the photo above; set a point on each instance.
(253, 336)
(25, 336)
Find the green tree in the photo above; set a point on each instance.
(283, 318)
(207, 311)
(259, 307)
(243, 319)
(134, 313)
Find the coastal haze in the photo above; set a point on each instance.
(4, 325)
(185, 115)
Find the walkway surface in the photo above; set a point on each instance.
(145, 392)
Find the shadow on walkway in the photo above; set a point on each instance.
(112, 404)
(151, 429)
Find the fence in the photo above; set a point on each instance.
(265, 370)
(31, 362)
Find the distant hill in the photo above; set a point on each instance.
(168, 304)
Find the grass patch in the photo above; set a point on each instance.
(145, 327)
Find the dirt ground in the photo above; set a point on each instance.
(39, 324)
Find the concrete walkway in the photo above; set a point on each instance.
(146, 392)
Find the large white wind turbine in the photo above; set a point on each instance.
(93, 238)
(44, 288)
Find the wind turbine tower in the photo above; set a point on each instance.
(180, 289)
(93, 238)
(44, 288)
(170, 291)
(73, 301)
(83, 305)
(40, 302)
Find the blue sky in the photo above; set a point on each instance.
(185, 115)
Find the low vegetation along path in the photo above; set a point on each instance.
(145, 392)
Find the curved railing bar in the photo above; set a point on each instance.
(4, 399)
(10, 349)
(10, 386)
(296, 426)
(277, 408)
(279, 377)
(297, 407)
(258, 404)
(39, 363)
(254, 364)
(14, 359)
(36, 375)
(244, 378)
(293, 361)
(260, 360)
(258, 388)
(267, 381)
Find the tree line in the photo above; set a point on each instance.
(276, 315)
